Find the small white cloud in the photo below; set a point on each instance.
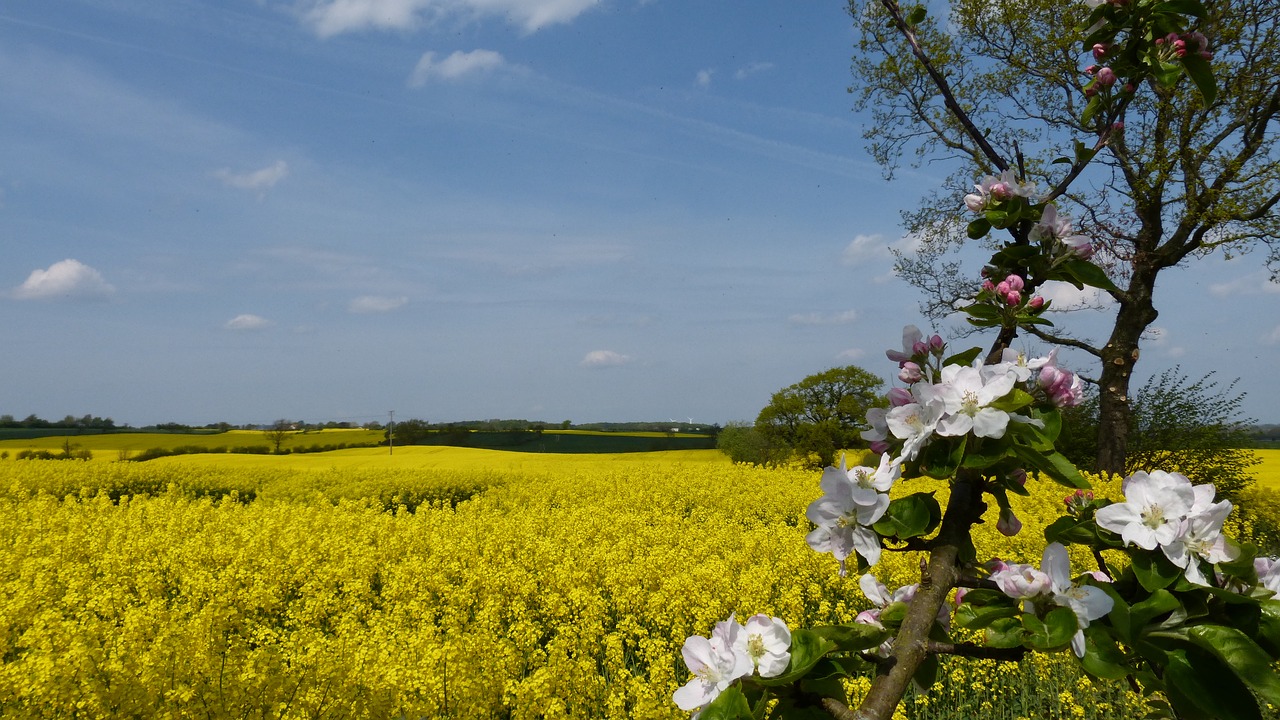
(66, 279)
(1160, 339)
(814, 318)
(247, 322)
(366, 304)
(333, 17)
(456, 65)
(851, 354)
(868, 248)
(604, 358)
(1274, 337)
(1066, 297)
(1258, 283)
(747, 71)
(703, 79)
(259, 180)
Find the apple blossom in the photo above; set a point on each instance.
(1087, 602)
(715, 663)
(915, 422)
(910, 336)
(1156, 505)
(767, 642)
(1020, 581)
(1268, 569)
(1008, 524)
(966, 393)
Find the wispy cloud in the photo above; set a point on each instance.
(247, 322)
(747, 71)
(703, 78)
(604, 358)
(852, 354)
(870, 248)
(457, 65)
(333, 17)
(814, 318)
(260, 180)
(1255, 283)
(1160, 339)
(368, 304)
(66, 279)
(1274, 337)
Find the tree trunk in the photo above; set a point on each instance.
(1135, 315)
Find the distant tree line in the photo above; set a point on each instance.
(88, 422)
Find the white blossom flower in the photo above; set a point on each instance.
(915, 422)
(1021, 582)
(1057, 228)
(767, 641)
(845, 540)
(715, 663)
(1154, 511)
(967, 393)
(1202, 539)
(1268, 569)
(912, 338)
(1086, 601)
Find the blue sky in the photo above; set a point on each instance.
(549, 209)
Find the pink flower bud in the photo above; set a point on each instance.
(1008, 524)
(1090, 91)
(1107, 77)
(1099, 51)
(960, 593)
(1001, 191)
(1129, 87)
(1003, 288)
(1036, 302)
(1013, 297)
(1117, 126)
(1091, 69)
(936, 343)
(1019, 476)
(920, 347)
(988, 286)
(1015, 283)
(1206, 55)
(910, 373)
(879, 446)
(900, 396)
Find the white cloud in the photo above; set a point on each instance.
(1066, 297)
(66, 279)
(247, 322)
(748, 70)
(333, 17)
(259, 180)
(1274, 337)
(366, 304)
(1258, 283)
(604, 358)
(456, 65)
(815, 318)
(851, 354)
(703, 78)
(867, 248)
(1160, 339)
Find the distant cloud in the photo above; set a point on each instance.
(604, 358)
(1257, 283)
(852, 354)
(333, 17)
(1274, 337)
(366, 304)
(868, 248)
(259, 180)
(703, 79)
(814, 318)
(1066, 297)
(66, 279)
(456, 65)
(247, 322)
(749, 70)
(1161, 339)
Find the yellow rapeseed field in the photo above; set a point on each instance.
(180, 589)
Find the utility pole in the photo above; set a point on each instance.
(391, 430)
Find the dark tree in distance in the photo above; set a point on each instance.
(822, 414)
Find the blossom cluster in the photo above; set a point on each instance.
(1052, 582)
(733, 651)
(1164, 510)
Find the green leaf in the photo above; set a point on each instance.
(1070, 530)
(1102, 656)
(851, 637)
(1269, 626)
(941, 457)
(917, 15)
(978, 228)
(1153, 570)
(1201, 73)
(1005, 633)
(1088, 273)
(1160, 602)
(1090, 110)
(1181, 7)
(893, 614)
(926, 674)
(1202, 681)
(1249, 662)
(1052, 633)
(974, 617)
(1015, 400)
(964, 358)
(1084, 153)
(910, 516)
(1054, 464)
(730, 704)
